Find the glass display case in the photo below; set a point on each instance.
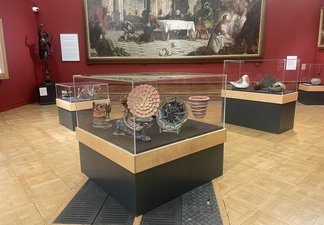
(81, 92)
(271, 76)
(312, 74)
(262, 94)
(155, 130)
(85, 93)
(150, 110)
(311, 85)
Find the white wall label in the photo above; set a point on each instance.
(42, 91)
(291, 63)
(70, 47)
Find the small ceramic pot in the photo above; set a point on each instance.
(315, 81)
(198, 105)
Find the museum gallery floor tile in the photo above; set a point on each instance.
(268, 178)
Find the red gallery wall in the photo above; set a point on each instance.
(291, 29)
(19, 24)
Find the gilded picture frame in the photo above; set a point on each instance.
(320, 42)
(173, 31)
(4, 72)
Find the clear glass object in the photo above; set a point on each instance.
(150, 110)
(86, 91)
(263, 75)
(312, 74)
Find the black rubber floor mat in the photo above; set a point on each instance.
(113, 213)
(166, 214)
(91, 205)
(199, 207)
(196, 207)
(85, 205)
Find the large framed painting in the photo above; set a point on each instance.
(320, 42)
(168, 31)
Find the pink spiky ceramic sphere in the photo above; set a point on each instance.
(143, 101)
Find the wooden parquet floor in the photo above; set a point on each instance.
(269, 179)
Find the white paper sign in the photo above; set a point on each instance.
(291, 63)
(42, 91)
(70, 47)
(303, 67)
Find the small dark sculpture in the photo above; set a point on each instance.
(257, 85)
(45, 48)
(267, 81)
(123, 100)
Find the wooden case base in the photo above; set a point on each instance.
(67, 118)
(266, 112)
(311, 98)
(144, 181)
(144, 191)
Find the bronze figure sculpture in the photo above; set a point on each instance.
(45, 48)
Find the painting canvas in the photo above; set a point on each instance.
(158, 31)
(320, 43)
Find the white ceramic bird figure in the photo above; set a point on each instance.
(243, 82)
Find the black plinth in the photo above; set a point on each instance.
(47, 93)
(270, 117)
(146, 190)
(67, 118)
(311, 97)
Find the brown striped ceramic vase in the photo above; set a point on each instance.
(198, 105)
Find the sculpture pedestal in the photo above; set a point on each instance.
(47, 93)
(273, 113)
(311, 94)
(148, 179)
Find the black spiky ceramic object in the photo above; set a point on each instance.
(267, 81)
